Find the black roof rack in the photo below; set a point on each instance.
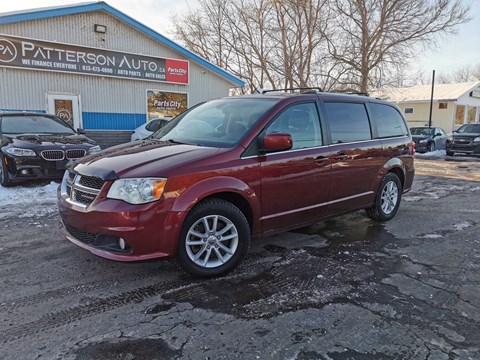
(351, 92)
(306, 90)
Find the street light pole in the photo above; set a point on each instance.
(431, 101)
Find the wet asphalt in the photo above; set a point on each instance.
(345, 288)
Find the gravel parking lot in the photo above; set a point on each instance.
(346, 288)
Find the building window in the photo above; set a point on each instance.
(408, 110)
(459, 115)
(471, 111)
(442, 105)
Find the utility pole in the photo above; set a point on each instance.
(431, 101)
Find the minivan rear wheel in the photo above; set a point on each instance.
(387, 200)
(214, 239)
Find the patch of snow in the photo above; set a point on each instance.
(436, 153)
(462, 225)
(30, 200)
(432, 236)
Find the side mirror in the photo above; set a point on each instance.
(81, 131)
(275, 142)
(438, 134)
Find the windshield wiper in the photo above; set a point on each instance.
(173, 141)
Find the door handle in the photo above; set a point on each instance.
(341, 157)
(321, 159)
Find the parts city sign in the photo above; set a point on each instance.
(43, 55)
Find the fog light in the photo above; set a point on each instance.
(24, 172)
(121, 243)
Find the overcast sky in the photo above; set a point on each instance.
(459, 50)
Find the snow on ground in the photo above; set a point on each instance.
(34, 199)
(28, 200)
(431, 154)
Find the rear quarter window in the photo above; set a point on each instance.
(348, 122)
(388, 121)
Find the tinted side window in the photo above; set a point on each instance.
(348, 122)
(388, 120)
(302, 123)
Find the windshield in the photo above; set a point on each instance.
(34, 125)
(217, 123)
(469, 129)
(421, 131)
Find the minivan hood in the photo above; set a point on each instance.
(145, 158)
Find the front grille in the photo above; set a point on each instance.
(463, 142)
(83, 197)
(53, 155)
(75, 153)
(83, 236)
(82, 190)
(92, 182)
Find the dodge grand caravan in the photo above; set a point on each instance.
(236, 169)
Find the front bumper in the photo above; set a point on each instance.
(147, 232)
(27, 168)
(421, 147)
(472, 149)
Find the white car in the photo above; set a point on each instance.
(147, 129)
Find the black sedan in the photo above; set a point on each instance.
(466, 139)
(428, 138)
(38, 146)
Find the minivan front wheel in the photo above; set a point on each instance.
(214, 239)
(387, 200)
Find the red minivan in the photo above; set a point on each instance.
(235, 169)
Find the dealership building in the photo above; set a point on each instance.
(100, 70)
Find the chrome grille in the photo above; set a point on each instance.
(56, 155)
(82, 190)
(53, 155)
(75, 153)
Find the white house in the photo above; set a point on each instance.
(453, 104)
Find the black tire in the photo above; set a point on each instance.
(4, 178)
(202, 251)
(450, 153)
(387, 199)
(431, 147)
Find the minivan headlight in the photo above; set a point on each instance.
(137, 191)
(477, 139)
(20, 152)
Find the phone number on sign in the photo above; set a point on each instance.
(97, 69)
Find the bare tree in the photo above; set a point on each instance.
(467, 73)
(270, 43)
(334, 44)
(373, 37)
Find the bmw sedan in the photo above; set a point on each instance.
(38, 146)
